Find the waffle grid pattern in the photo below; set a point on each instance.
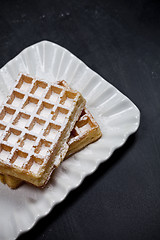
(31, 122)
(85, 124)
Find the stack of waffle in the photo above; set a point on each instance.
(41, 124)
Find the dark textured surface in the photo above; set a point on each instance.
(120, 40)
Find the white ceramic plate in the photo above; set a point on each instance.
(117, 116)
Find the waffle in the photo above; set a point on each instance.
(35, 125)
(86, 131)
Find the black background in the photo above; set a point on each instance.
(119, 39)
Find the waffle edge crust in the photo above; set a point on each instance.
(21, 116)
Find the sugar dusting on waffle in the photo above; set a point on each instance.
(32, 122)
(86, 131)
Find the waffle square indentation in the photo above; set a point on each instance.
(51, 131)
(30, 104)
(24, 83)
(7, 114)
(53, 94)
(43, 147)
(15, 99)
(36, 125)
(45, 109)
(68, 98)
(19, 158)
(34, 164)
(60, 115)
(39, 88)
(28, 141)
(12, 136)
(84, 125)
(21, 120)
(4, 152)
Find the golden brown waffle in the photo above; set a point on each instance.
(86, 131)
(35, 125)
